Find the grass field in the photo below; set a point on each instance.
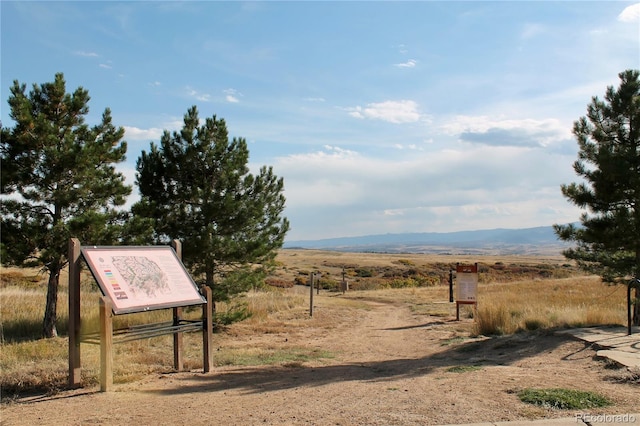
(515, 294)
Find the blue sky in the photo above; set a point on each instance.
(382, 117)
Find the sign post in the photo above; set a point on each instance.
(467, 286)
(634, 283)
(135, 279)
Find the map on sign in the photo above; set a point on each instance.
(143, 275)
(141, 278)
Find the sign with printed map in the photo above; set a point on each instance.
(139, 279)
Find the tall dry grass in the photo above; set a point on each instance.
(506, 308)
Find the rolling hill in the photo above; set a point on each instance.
(529, 241)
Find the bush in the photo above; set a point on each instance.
(364, 273)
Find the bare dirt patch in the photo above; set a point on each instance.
(385, 365)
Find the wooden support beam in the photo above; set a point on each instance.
(106, 345)
(74, 313)
(207, 330)
(178, 360)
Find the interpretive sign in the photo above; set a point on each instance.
(466, 286)
(139, 279)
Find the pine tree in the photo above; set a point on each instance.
(608, 240)
(197, 187)
(58, 181)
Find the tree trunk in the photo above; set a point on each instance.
(51, 310)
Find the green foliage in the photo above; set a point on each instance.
(363, 273)
(61, 178)
(195, 186)
(402, 283)
(327, 283)
(235, 312)
(608, 162)
(563, 399)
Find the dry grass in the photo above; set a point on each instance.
(543, 304)
(32, 364)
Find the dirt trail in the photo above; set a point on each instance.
(391, 367)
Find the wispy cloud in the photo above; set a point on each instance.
(411, 63)
(231, 95)
(630, 13)
(192, 93)
(105, 66)
(402, 49)
(85, 54)
(397, 112)
(411, 147)
(531, 30)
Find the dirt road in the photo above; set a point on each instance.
(390, 367)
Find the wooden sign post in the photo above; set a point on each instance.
(311, 280)
(466, 286)
(135, 279)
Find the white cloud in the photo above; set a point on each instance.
(105, 66)
(231, 95)
(397, 112)
(499, 131)
(340, 192)
(135, 133)
(192, 93)
(85, 54)
(411, 146)
(314, 99)
(630, 14)
(411, 63)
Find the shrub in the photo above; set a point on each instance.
(363, 273)
(563, 399)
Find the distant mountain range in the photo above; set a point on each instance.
(532, 241)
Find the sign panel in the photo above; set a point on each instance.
(467, 286)
(141, 278)
(467, 283)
